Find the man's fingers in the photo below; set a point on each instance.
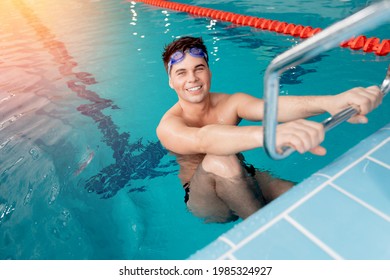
(301, 135)
(319, 151)
(358, 119)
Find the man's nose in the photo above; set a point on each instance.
(192, 77)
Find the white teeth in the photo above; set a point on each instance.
(194, 88)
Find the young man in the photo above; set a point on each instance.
(202, 130)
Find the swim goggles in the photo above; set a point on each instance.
(179, 56)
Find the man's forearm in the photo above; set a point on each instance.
(228, 139)
(300, 107)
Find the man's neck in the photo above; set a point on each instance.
(196, 111)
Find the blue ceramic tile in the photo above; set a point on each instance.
(345, 226)
(282, 241)
(273, 209)
(383, 154)
(341, 162)
(369, 182)
(355, 153)
(212, 251)
(386, 126)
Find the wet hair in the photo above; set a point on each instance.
(182, 44)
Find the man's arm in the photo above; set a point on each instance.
(300, 134)
(216, 139)
(364, 100)
(219, 139)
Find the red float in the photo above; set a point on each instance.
(357, 43)
(281, 27)
(383, 48)
(370, 43)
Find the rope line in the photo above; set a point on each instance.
(375, 45)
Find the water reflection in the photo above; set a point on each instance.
(55, 135)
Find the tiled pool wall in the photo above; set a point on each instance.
(340, 212)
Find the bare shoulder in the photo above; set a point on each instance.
(172, 115)
(175, 110)
(174, 134)
(246, 106)
(235, 101)
(232, 98)
(241, 96)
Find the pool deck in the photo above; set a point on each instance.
(340, 212)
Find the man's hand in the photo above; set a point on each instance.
(363, 100)
(301, 135)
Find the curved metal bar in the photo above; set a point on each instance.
(385, 87)
(338, 118)
(364, 20)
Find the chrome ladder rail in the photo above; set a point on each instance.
(362, 21)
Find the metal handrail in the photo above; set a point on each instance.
(362, 21)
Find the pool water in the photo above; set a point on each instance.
(82, 88)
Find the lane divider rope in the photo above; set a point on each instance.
(375, 45)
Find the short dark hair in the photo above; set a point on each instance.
(183, 44)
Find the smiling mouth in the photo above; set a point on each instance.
(194, 88)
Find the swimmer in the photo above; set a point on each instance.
(202, 130)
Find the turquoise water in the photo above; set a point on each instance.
(82, 88)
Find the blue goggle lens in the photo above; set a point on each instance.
(179, 56)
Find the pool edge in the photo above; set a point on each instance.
(256, 237)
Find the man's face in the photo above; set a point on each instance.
(190, 78)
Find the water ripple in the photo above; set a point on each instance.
(6, 210)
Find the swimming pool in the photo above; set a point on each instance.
(82, 175)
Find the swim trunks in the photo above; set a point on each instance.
(186, 187)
